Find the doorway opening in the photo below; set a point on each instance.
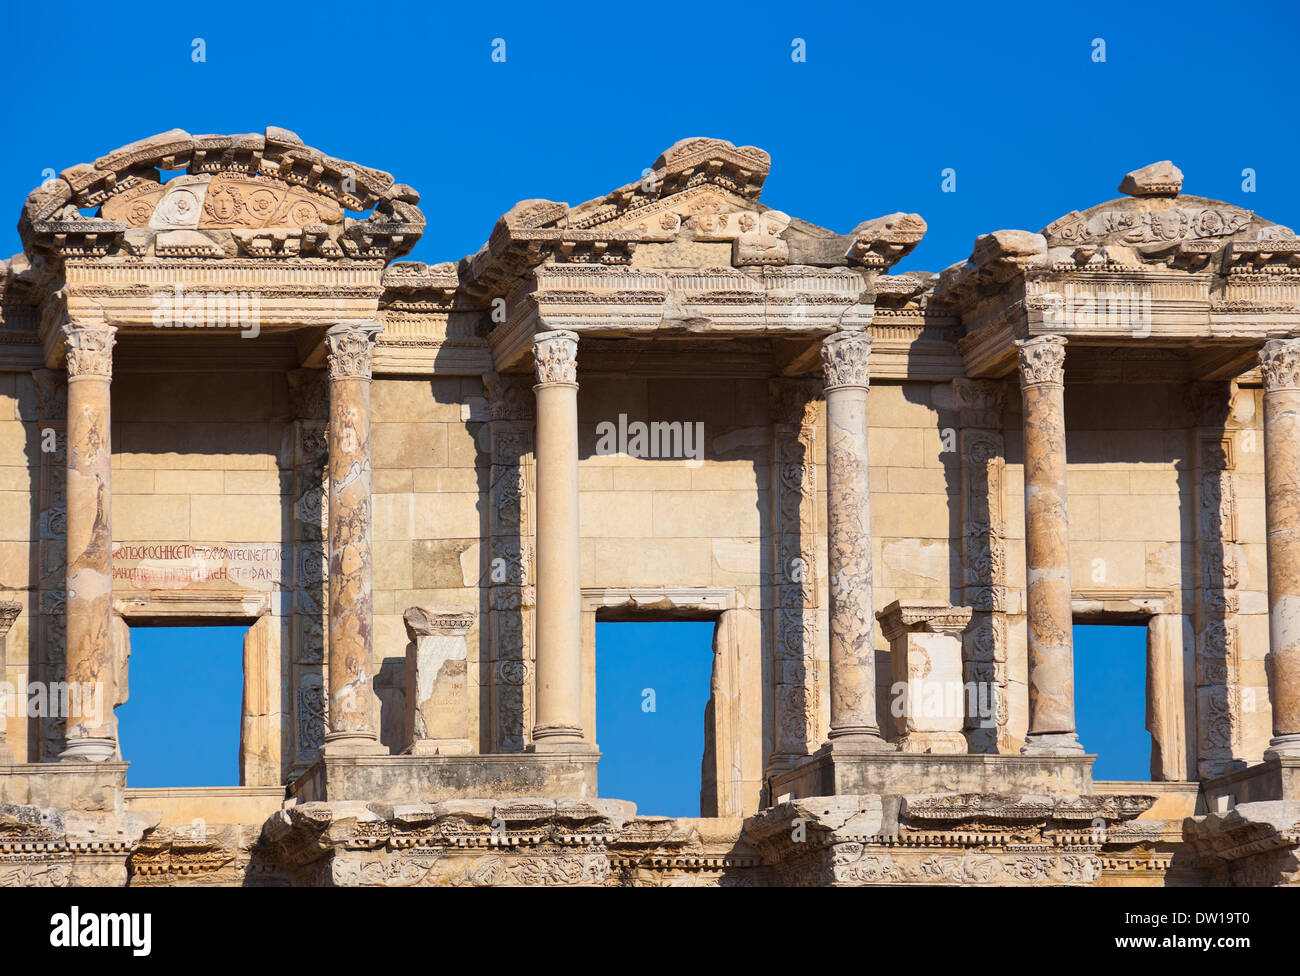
(1110, 696)
(181, 724)
(653, 696)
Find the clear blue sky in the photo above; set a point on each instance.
(891, 95)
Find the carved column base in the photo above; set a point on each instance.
(1052, 744)
(1283, 745)
(364, 743)
(89, 750)
(550, 740)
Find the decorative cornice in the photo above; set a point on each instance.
(1279, 364)
(845, 360)
(350, 347)
(1042, 360)
(89, 348)
(556, 356)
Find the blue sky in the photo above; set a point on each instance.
(890, 95)
(1008, 96)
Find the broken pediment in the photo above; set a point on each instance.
(697, 207)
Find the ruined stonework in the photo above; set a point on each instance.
(226, 398)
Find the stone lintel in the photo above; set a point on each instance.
(442, 777)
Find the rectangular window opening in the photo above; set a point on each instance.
(1110, 699)
(653, 681)
(181, 723)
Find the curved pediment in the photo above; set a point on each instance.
(253, 195)
(1156, 224)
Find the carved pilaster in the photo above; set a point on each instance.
(309, 404)
(9, 611)
(47, 733)
(982, 451)
(798, 667)
(1217, 655)
(511, 592)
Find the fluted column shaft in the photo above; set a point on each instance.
(352, 726)
(1047, 550)
(559, 640)
(853, 719)
(1280, 367)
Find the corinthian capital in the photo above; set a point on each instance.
(844, 359)
(1279, 363)
(89, 348)
(350, 345)
(556, 356)
(1042, 360)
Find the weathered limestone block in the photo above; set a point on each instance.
(1252, 845)
(1162, 179)
(928, 697)
(437, 690)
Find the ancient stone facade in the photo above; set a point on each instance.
(223, 399)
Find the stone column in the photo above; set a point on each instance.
(91, 734)
(1047, 550)
(9, 611)
(1280, 365)
(853, 720)
(352, 709)
(559, 633)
